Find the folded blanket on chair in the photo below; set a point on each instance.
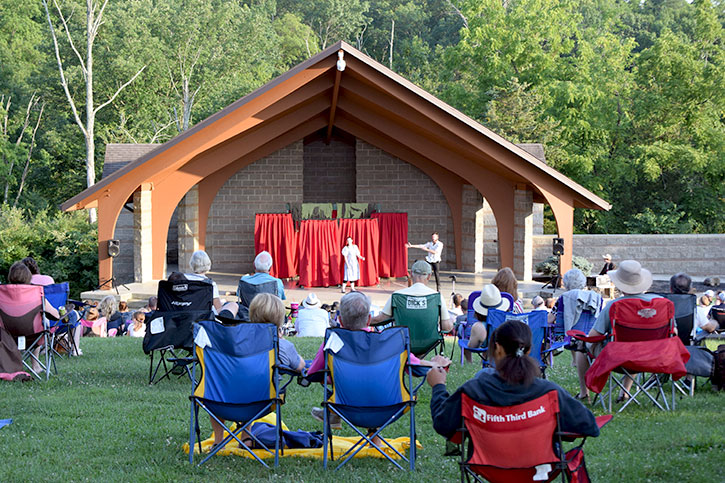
(666, 356)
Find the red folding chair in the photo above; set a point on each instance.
(514, 444)
(642, 341)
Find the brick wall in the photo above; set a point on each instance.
(329, 172)
(401, 187)
(697, 255)
(265, 186)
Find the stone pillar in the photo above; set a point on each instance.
(490, 237)
(142, 235)
(188, 223)
(472, 229)
(523, 232)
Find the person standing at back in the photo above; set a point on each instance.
(434, 248)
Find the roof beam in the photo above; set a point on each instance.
(333, 103)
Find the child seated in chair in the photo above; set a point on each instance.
(265, 308)
(515, 381)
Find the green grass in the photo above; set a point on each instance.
(99, 420)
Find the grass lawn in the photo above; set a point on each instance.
(99, 420)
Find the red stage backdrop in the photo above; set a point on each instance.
(393, 257)
(276, 234)
(365, 235)
(319, 253)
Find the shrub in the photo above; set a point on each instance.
(64, 244)
(550, 268)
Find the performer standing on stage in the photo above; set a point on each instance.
(434, 248)
(350, 252)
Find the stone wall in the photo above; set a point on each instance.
(401, 187)
(123, 263)
(698, 255)
(265, 186)
(329, 172)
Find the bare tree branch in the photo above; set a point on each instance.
(70, 39)
(458, 12)
(118, 91)
(31, 104)
(99, 18)
(160, 130)
(63, 81)
(30, 154)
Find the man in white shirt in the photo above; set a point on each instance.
(434, 248)
(312, 321)
(420, 273)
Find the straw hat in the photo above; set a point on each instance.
(630, 277)
(311, 301)
(490, 298)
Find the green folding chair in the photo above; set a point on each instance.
(421, 315)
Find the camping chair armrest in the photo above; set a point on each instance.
(600, 420)
(418, 371)
(286, 371)
(383, 322)
(579, 335)
(182, 360)
(305, 380)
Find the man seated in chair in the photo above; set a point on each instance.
(262, 265)
(355, 315)
(420, 274)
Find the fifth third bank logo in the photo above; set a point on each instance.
(481, 415)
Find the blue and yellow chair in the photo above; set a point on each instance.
(369, 387)
(240, 382)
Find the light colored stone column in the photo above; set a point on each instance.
(472, 228)
(142, 236)
(523, 232)
(188, 223)
(490, 237)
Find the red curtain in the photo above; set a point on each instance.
(276, 234)
(319, 253)
(393, 256)
(365, 235)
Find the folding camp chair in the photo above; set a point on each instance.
(464, 334)
(642, 341)
(22, 316)
(247, 291)
(421, 315)
(240, 382)
(61, 330)
(512, 444)
(369, 387)
(685, 304)
(169, 329)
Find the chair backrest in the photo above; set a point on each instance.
(718, 315)
(685, 304)
(196, 295)
(509, 437)
(57, 294)
(171, 329)
(510, 298)
(585, 322)
(237, 361)
(247, 291)
(537, 321)
(635, 320)
(21, 309)
(470, 315)
(420, 314)
(367, 368)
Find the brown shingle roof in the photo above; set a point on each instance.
(119, 155)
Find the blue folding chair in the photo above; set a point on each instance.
(57, 295)
(240, 382)
(464, 332)
(537, 322)
(369, 387)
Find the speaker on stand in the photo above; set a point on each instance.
(557, 249)
(113, 249)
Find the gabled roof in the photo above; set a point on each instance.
(367, 96)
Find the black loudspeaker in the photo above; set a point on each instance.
(114, 248)
(558, 247)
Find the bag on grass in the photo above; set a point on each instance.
(718, 373)
(576, 467)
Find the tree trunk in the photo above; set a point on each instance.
(90, 108)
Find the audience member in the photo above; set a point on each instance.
(633, 281)
(355, 315)
(420, 273)
(37, 278)
(505, 280)
(200, 264)
(702, 316)
(138, 324)
(152, 305)
(720, 302)
(262, 265)
(490, 298)
(537, 303)
(89, 320)
(515, 381)
(680, 283)
(570, 307)
(266, 309)
(312, 321)
(608, 265)
(110, 322)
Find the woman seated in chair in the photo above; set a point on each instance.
(110, 323)
(37, 277)
(515, 381)
(490, 298)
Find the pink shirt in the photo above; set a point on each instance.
(39, 279)
(318, 363)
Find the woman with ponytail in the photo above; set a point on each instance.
(515, 381)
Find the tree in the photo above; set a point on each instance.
(93, 22)
(331, 20)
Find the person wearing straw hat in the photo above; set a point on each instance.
(608, 265)
(633, 281)
(312, 321)
(490, 298)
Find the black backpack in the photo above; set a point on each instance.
(718, 372)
